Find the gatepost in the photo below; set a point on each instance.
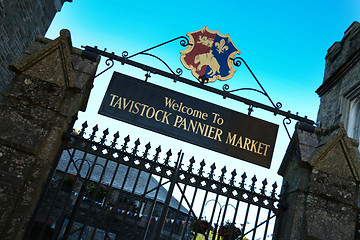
(321, 170)
(52, 82)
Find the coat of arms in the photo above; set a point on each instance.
(209, 55)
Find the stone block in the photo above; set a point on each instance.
(33, 113)
(329, 220)
(50, 147)
(14, 165)
(83, 65)
(71, 103)
(26, 200)
(19, 132)
(37, 92)
(81, 80)
(7, 203)
(49, 68)
(333, 188)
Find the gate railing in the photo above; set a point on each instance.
(151, 184)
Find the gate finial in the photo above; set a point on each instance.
(211, 174)
(116, 136)
(233, 175)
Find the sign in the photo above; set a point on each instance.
(189, 119)
(209, 55)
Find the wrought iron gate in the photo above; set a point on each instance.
(117, 191)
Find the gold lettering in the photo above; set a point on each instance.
(260, 149)
(231, 139)
(175, 106)
(189, 111)
(202, 128)
(113, 98)
(183, 123)
(215, 117)
(204, 116)
(118, 102)
(172, 104)
(180, 106)
(125, 104)
(211, 131)
(253, 146)
(153, 112)
(136, 108)
(218, 134)
(239, 142)
(206, 129)
(156, 115)
(131, 106)
(246, 144)
(178, 119)
(144, 107)
(169, 102)
(266, 148)
(182, 109)
(192, 125)
(166, 118)
(197, 113)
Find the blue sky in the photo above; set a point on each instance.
(283, 42)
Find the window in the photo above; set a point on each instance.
(354, 119)
(357, 122)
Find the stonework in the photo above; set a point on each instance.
(322, 172)
(20, 22)
(321, 167)
(342, 78)
(52, 82)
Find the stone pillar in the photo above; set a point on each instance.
(321, 171)
(52, 82)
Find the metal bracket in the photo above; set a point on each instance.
(184, 42)
(110, 63)
(237, 63)
(176, 76)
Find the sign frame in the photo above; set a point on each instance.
(189, 119)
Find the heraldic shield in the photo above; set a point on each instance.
(209, 55)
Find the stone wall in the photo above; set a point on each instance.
(52, 82)
(20, 22)
(342, 75)
(321, 170)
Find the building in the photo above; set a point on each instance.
(104, 196)
(15, 36)
(321, 167)
(340, 91)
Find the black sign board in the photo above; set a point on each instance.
(189, 119)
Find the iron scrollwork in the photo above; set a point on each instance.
(287, 121)
(110, 63)
(125, 55)
(237, 62)
(176, 76)
(178, 71)
(184, 42)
